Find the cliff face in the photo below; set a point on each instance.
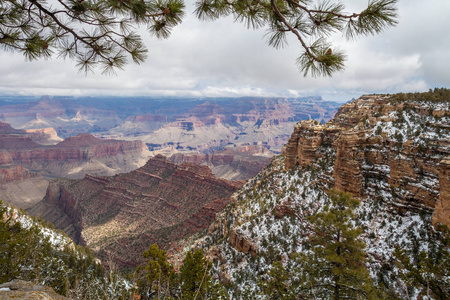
(400, 148)
(390, 152)
(44, 136)
(15, 173)
(160, 202)
(442, 209)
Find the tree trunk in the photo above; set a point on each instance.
(336, 289)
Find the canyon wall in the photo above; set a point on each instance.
(382, 146)
(20, 187)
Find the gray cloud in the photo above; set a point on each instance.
(223, 58)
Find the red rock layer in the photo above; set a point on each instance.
(18, 148)
(160, 202)
(15, 173)
(442, 211)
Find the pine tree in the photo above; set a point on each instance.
(335, 267)
(94, 33)
(278, 285)
(306, 20)
(158, 273)
(103, 33)
(428, 271)
(194, 276)
(14, 246)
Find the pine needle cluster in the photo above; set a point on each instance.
(102, 33)
(309, 22)
(94, 33)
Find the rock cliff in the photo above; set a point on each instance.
(20, 289)
(382, 144)
(123, 215)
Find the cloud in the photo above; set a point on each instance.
(223, 58)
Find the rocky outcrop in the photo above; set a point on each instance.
(284, 209)
(44, 136)
(442, 211)
(303, 145)
(123, 215)
(20, 289)
(242, 244)
(16, 173)
(349, 160)
(378, 144)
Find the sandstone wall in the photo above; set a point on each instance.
(442, 212)
(415, 175)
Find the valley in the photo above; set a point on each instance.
(123, 215)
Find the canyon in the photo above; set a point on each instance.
(171, 125)
(231, 163)
(70, 137)
(122, 215)
(389, 152)
(26, 165)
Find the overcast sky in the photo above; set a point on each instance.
(223, 58)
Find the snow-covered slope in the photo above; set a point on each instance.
(34, 251)
(389, 152)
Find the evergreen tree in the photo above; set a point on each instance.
(335, 267)
(279, 285)
(26, 253)
(428, 271)
(194, 276)
(158, 273)
(103, 32)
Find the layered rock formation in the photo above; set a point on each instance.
(68, 117)
(44, 136)
(442, 209)
(231, 163)
(123, 215)
(382, 145)
(73, 157)
(167, 126)
(215, 124)
(391, 153)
